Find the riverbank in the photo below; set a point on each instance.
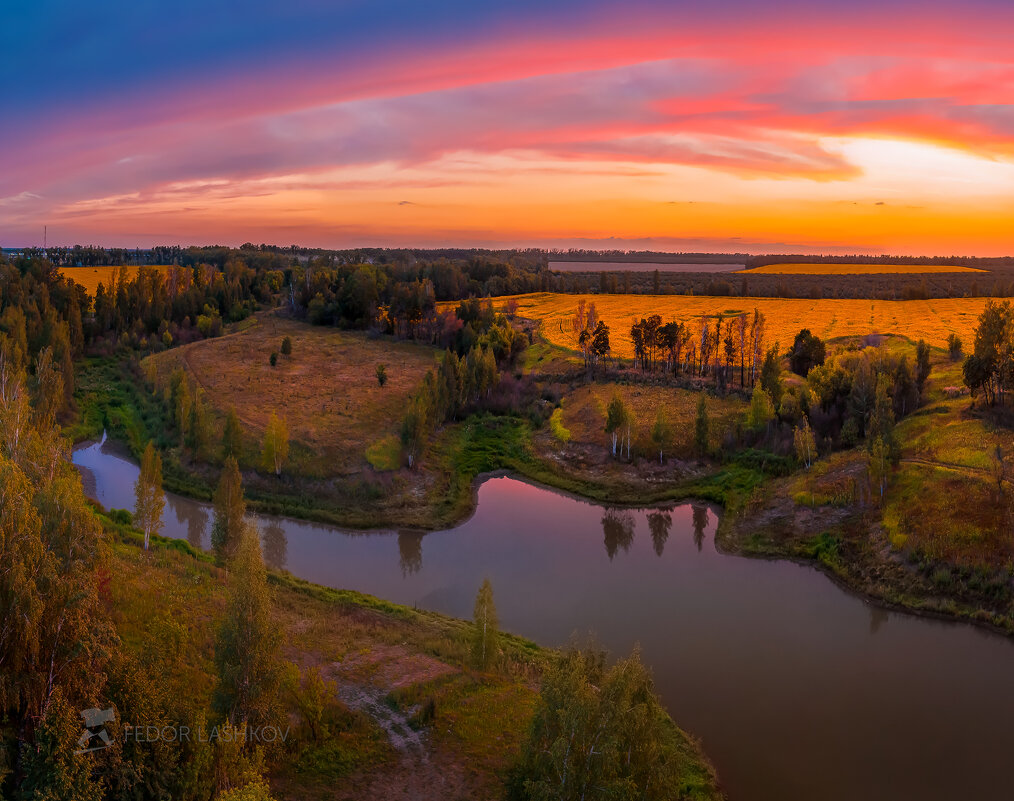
(410, 717)
(767, 513)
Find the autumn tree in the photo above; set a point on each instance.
(617, 414)
(599, 732)
(276, 444)
(762, 410)
(661, 432)
(247, 646)
(804, 442)
(232, 436)
(485, 628)
(230, 510)
(701, 426)
(149, 500)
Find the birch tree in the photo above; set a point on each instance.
(276, 444)
(149, 500)
(486, 630)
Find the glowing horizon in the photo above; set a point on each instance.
(803, 128)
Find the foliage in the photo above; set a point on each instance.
(807, 352)
(247, 646)
(232, 436)
(149, 499)
(486, 631)
(601, 733)
(701, 425)
(561, 432)
(381, 375)
(230, 509)
(276, 445)
(661, 432)
(287, 346)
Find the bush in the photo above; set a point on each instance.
(273, 359)
(287, 346)
(556, 426)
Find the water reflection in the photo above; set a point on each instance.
(275, 543)
(618, 528)
(700, 524)
(194, 517)
(659, 524)
(878, 617)
(913, 709)
(410, 552)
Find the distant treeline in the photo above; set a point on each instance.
(998, 282)
(960, 261)
(649, 256)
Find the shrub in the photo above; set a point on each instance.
(556, 426)
(287, 346)
(273, 359)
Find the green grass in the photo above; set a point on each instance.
(561, 432)
(385, 454)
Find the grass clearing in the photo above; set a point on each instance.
(327, 389)
(931, 320)
(858, 269)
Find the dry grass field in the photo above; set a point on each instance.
(931, 320)
(91, 277)
(584, 414)
(858, 269)
(327, 389)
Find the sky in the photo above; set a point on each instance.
(732, 125)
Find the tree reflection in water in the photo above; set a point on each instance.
(700, 523)
(276, 544)
(618, 528)
(410, 551)
(659, 524)
(195, 518)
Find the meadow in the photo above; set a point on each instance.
(857, 269)
(91, 277)
(931, 320)
(326, 389)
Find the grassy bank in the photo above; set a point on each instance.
(400, 679)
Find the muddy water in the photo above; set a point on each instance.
(798, 690)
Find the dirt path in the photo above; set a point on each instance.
(959, 468)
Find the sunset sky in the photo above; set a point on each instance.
(821, 126)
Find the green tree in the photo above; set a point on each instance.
(762, 410)
(878, 465)
(196, 434)
(807, 352)
(273, 358)
(805, 443)
(485, 628)
(149, 500)
(602, 733)
(232, 436)
(661, 432)
(617, 414)
(701, 426)
(381, 375)
(922, 365)
(771, 374)
(230, 510)
(287, 346)
(276, 445)
(415, 428)
(248, 642)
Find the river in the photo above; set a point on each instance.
(798, 690)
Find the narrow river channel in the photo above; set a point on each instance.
(798, 690)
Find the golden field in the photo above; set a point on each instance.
(91, 277)
(858, 269)
(327, 389)
(931, 320)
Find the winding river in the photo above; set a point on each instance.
(798, 690)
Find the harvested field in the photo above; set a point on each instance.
(931, 320)
(91, 277)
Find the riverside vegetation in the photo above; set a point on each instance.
(277, 683)
(838, 444)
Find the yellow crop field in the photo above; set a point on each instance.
(931, 320)
(91, 277)
(857, 269)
